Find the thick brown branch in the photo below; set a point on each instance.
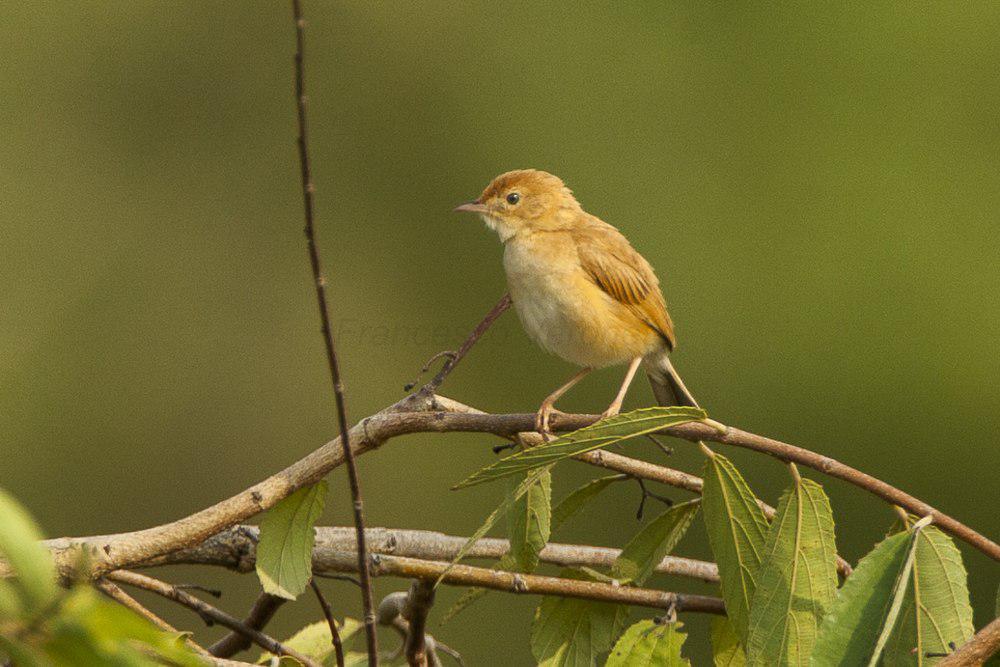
(308, 190)
(983, 645)
(263, 609)
(206, 611)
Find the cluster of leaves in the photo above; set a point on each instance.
(43, 624)
(906, 603)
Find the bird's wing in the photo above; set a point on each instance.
(614, 265)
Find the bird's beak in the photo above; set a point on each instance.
(472, 207)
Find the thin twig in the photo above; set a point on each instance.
(308, 189)
(338, 646)
(418, 606)
(209, 613)
(214, 592)
(340, 577)
(263, 609)
(646, 494)
(454, 358)
(983, 645)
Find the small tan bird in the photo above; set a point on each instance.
(581, 291)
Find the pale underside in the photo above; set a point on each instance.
(586, 295)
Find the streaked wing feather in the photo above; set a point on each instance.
(623, 274)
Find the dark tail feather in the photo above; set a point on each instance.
(668, 388)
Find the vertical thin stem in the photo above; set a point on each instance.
(308, 189)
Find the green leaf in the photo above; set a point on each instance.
(603, 433)
(576, 500)
(561, 513)
(570, 632)
(649, 643)
(287, 535)
(726, 649)
(315, 640)
(512, 497)
(87, 624)
(737, 532)
(19, 544)
(797, 580)
(528, 523)
(936, 610)
(658, 538)
(858, 624)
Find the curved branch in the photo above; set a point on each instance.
(421, 414)
(509, 424)
(414, 414)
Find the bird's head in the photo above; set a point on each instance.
(525, 199)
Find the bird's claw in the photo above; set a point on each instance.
(542, 418)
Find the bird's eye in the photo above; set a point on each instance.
(513, 198)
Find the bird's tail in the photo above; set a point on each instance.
(668, 388)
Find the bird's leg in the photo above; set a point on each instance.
(616, 405)
(547, 408)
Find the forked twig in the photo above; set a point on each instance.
(455, 357)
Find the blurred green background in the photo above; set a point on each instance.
(816, 186)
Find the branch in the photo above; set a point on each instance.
(533, 584)
(418, 606)
(410, 415)
(338, 645)
(235, 549)
(454, 358)
(209, 613)
(982, 646)
(263, 609)
(510, 424)
(308, 189)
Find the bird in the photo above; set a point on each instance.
(580, 289)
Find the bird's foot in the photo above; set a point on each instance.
(542, 418)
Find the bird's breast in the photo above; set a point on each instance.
(563, 310)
